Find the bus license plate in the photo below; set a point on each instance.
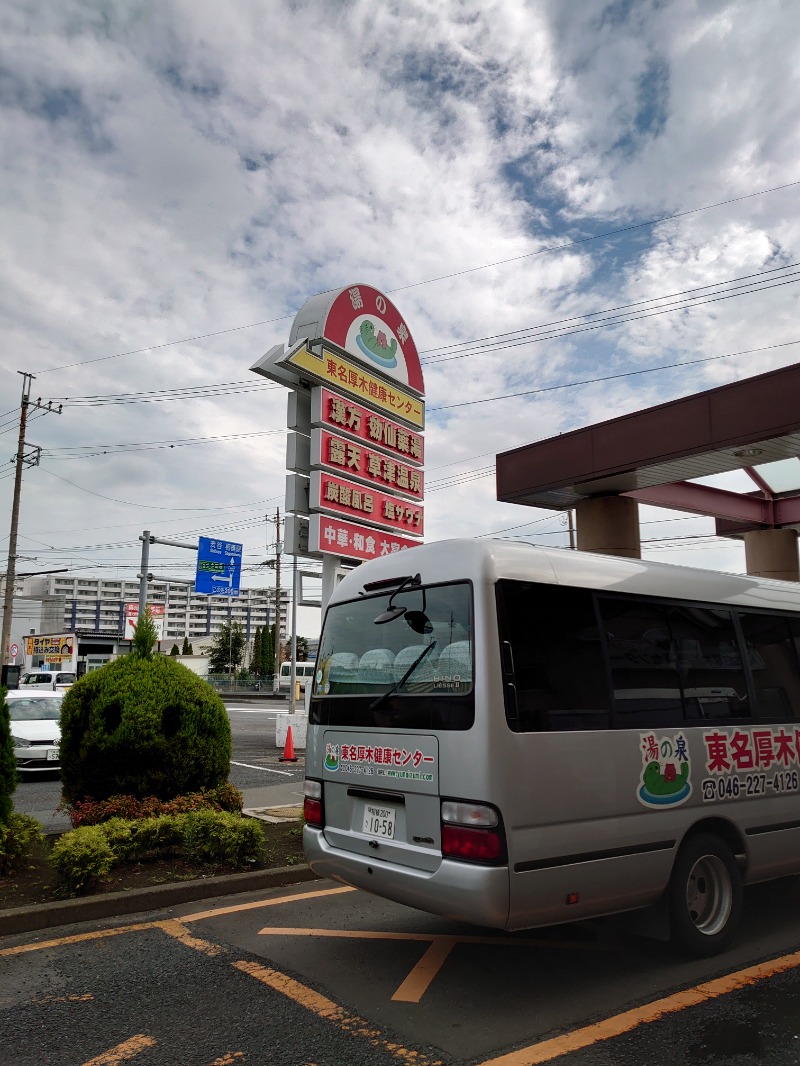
(379, 821)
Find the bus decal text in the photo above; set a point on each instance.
(745, 763)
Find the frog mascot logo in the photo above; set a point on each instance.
(376, 346)
(666, 771)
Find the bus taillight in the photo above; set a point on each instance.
(472, 832)
(313, 811)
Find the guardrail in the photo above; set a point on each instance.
(232, 684)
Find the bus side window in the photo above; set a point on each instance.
(772, 657)
(558, 680)
(643, 663)
(712, 673)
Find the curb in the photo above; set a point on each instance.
(112, 904)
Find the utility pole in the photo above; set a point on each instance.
(31, 458)
(276, 679)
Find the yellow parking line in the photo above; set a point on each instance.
(127, 1050)
(77, 938)
(330, 1011)
(548, 1050)
(175, 928)
(416, 984)
(296, 898)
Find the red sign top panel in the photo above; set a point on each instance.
(365, 322)
(345, 416)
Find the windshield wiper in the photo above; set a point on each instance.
(399, 684)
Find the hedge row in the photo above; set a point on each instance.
(92, 812)
(84, 855)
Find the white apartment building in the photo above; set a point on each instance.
(94, 609)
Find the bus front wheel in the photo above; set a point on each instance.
(705, 896)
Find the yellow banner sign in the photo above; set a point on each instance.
(345, 375)
(55, 649)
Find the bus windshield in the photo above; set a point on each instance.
(403, 642)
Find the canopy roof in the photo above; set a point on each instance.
(653, 456)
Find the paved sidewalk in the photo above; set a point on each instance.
(283, 795)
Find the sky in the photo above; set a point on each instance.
(178, 178)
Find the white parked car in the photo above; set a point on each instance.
(47, 680)
(35, 728)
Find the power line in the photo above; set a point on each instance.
(230, 388)
(557, 326)
(612, 377)
(596, 237)
(444, 277)
(614, 321)
(166, 344)
(93, 450)
(546, 331)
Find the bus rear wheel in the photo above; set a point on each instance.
(705, 896)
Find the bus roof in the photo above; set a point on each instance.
(489, 560)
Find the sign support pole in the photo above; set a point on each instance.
(276, 678)
(330, 566)
(145, 539)
(293, 645)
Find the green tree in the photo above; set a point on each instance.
(142, 728)
(175, 650)
(302, 649)
(255, 658)
(267, 660)
(227, 651)
(187, 647)
(145, 637)
(8, 763)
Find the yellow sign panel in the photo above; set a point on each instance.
(347, 376)
(54, 649)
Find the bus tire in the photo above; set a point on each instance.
(705, 896)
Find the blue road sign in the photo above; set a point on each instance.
(219, 566)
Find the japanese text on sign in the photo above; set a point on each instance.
(356, 501)
(360, 462)
(337, 537)
(751, 763)
(349, 377)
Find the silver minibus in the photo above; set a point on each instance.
(517, 736)
(302, 673)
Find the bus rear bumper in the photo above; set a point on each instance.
(462, 891)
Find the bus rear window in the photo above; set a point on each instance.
(407, 654)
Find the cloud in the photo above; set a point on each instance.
(168, 174)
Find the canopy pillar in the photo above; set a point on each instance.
(609, 524)
(772, 553)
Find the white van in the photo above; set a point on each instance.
(48, 680)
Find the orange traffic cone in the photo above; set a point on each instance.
(288, 748)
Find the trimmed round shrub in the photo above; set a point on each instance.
(81, 858)
(142, 728)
